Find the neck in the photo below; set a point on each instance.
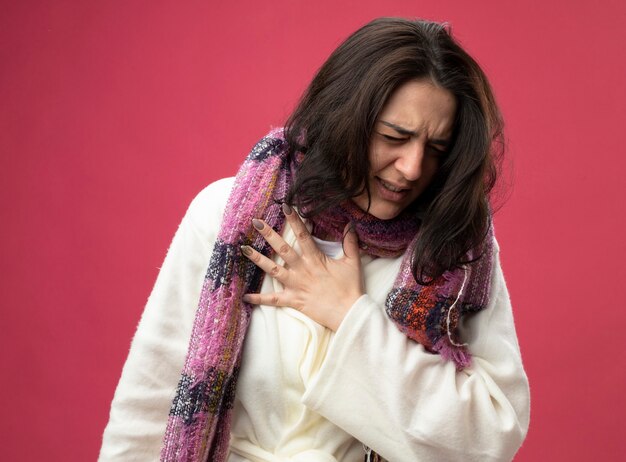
(379, 238)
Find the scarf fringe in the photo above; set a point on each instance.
(457, 354)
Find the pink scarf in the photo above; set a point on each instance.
(198, 428)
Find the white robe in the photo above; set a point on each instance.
(306, 394)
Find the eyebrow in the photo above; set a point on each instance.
(406, 131)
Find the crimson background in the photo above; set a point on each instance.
(113, 115)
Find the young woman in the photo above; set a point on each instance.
(353, 306)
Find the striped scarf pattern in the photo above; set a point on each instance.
(198, 427)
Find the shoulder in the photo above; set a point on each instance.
(496, 246)
(206, 209)
(212, 196)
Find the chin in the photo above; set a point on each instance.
(385, 213)
(381, 209)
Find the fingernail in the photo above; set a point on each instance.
(351, 228)
(246, 298)
(287, 209)
(258, 224)
(246, 250)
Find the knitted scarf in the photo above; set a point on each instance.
(198, 428)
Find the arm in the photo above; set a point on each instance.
(407, 404)
(146, 388)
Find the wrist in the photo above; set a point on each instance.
(342, 310)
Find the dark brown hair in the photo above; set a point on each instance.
(335, 119)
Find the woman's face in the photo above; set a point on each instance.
(411, 135)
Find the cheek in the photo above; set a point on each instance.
(379, 159)
(430, 167)
(373, 157)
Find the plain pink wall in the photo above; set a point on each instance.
(113, 115)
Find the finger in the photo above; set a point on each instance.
(303, 235)
(273, 299)
(267, 265)
(350, 242)
(284, 250)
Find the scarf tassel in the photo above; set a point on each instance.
(457, 354)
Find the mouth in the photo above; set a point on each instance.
(390, 191)
(390, 187)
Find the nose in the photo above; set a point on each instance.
(409, 161)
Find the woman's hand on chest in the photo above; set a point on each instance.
(320, 287)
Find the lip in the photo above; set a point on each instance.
(393, 196)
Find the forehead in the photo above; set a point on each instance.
(420, 105)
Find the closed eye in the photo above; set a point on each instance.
(392, 138)
(437, 151)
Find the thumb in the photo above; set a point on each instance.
(350, 242)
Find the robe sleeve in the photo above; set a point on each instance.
(144, 394)
(410, 405)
